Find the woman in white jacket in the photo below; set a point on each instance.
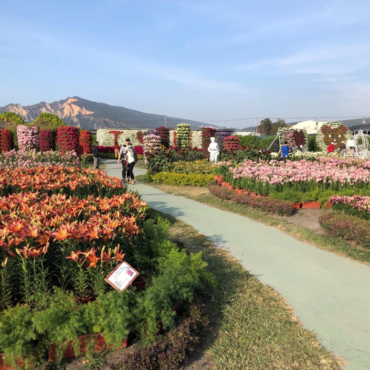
(130, 158)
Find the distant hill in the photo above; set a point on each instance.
(92, 115)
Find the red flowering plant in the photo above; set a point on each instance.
(140, 137)
(164, 134)
(207, 133)
(6, 140)
(47, 140)
(85, 142)
(231, 144)
(68, 138)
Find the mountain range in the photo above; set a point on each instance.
(91, 115)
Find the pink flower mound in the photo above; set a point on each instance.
(151, 143)
(68, 138)
(28, 137)
(321, 171)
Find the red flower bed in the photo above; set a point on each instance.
(164, 134)
(85, 142)
(47, 140)
(68, 138)
(6, 140)
(207, 133)
(106, 149)
(281, 207)
(231, 144)
(349, 228)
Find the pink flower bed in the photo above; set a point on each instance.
(28, 137)
(282, 173)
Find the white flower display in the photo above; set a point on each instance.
(105, 138)
(196, 139)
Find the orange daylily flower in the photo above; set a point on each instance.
(92, 258)
(119, 255)
(74, 256)
(62, 233)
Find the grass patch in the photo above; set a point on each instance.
(253, 327)
(322, 241)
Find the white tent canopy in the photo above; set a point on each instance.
(312, 127)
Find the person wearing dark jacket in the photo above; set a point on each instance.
(96, 156)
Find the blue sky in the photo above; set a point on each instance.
(202, 59)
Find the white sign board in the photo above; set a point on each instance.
(122, 277)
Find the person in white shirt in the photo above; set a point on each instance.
(130, 160)
(122, 158)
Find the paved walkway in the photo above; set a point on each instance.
(329, 294)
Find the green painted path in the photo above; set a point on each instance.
(329, 294)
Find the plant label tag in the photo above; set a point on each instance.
(122, 277)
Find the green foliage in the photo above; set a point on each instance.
(171, 178)
(249, 140)
(200, 167)
(48, 121)
(312, 145)
(179, 276)
(11, 118)
(10, 121)
(113, 316)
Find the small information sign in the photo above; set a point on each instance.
(122, 277)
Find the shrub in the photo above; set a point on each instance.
(281, 207)
(183, 136)
(48, 121)
(6, 140)
(200, 167)
(47, 140)
(164, 134)
(179, 179)
(350, 228)
(174, 348)
(68, 138)
(10, 120)
(28, 137)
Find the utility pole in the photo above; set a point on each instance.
(257, 127)
(165, 121)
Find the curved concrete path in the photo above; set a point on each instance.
(329, 294)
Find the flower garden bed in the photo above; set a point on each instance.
(32, 158)
(298, 181)
(62, 231)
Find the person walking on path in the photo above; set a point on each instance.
(131, 160)
(116, 149)
(285, 150)
(96, 156)
(122, 158)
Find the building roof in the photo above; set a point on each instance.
(312, 127)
